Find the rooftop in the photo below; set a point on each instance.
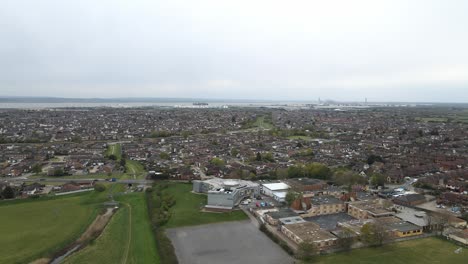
(276, 186)
(326, 199)
(305, 181)
(282, 213)
(329, 222)
(374, 207)
(291, 220)
(309, 231)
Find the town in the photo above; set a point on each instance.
(316, 180)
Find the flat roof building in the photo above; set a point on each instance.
(311, 233)
(369, 209)
(277, 190)
(323, 205)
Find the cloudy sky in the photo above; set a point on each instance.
(245, 49)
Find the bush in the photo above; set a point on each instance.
(99, 187)
(158, 218)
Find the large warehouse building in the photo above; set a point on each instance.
(277, 191)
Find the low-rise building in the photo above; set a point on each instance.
(306, 184)
(460, 236)
(369, 209)
(323, 205)
(410, 199)
(310, 233)
(277, 191)
(273, 218)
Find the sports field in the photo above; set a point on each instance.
(186, 211)
(36, 228)
(127, 238)
(427, 250)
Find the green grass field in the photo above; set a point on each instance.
(114, 149)
(305, 138)
(134, 168)
(427, 250)
(127, 238)
(186, 211)
(260, 123)
(36, 228)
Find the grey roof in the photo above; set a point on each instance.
(326, 199)
(329, 222)
(282, 213)
(402, 226)
(411, 198)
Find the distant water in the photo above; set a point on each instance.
(143, 104)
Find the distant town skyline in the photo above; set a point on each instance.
(385, 51)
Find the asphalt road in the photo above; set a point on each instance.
(132, 181)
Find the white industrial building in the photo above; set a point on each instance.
(277, 190)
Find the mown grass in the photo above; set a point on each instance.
(134, 168)
(110, 246)
(305, 138)
(262, 123)
(186, 211)
(427, 250)
(114, 149)
(126, 239)
(32, 229)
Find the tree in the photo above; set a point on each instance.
(306, 251)
(258, 157)
(8, 193)
(164, 155)
(234, 152)
(374, 158)
(367, 234)
(58, 172)
(292, 196)
(377, 179)
(37, 168)
(217, 162)
(268, 157)
(373, 234)
(185, 134)
(123, 162)
(112, 157)
(346, 239)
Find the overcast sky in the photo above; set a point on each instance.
(393, 50)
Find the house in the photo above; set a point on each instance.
(70, 186)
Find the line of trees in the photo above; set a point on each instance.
(159, 203)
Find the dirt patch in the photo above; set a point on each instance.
(41, 261)
(96, 227)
